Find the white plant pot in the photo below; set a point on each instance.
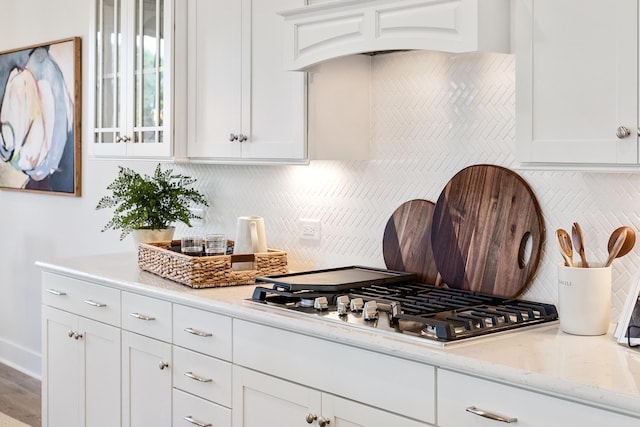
(145, 235)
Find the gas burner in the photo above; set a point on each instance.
(437, 314)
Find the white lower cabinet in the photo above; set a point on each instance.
(201, 368)
(81, 353)
(146, 381)
(190, 411)
(468, 401)
(263, 400)
(202, 376)
(81, 371)
(114, 358)
(146, 361)
(300, 376)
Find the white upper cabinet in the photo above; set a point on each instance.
(329, 29)
(577, 81)
(242, 105)
(132, 72)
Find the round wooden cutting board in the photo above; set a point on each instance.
(487, 231)
(406, 243)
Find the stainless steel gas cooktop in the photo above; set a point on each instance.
(392, 301)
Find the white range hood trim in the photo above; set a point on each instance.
(337, 28)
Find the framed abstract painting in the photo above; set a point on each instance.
(40, 116)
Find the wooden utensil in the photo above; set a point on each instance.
(406, 243)
(614, 250)
(578, 243)
(629, 242)
(566, 249)
(488, 231)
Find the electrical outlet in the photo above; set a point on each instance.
(310, 230)
(199, 212)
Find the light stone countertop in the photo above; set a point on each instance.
(592, 370)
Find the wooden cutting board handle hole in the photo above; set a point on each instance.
(524, 252)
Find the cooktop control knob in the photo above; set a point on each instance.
(342, 305)
(356, 304)
(370, 311)
(321, 303)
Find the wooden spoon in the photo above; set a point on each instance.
(566, 248)
(629, 242)
(578, 243)
(618, 243)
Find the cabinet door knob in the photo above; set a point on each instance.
(242, 138)
(322, 422)
(163, 365)
(622, 132)
(233, 137)
(311, 418)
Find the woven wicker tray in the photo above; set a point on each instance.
(207, 271)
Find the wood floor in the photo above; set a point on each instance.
(20, 396)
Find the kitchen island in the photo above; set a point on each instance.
(539, 376)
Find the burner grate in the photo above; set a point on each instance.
(436, 313)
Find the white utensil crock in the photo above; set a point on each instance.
(584, 299)
(250, 239)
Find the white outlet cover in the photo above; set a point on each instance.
(309, 230)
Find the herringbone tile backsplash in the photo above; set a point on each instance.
(432, 115)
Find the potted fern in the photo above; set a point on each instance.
(150, 204)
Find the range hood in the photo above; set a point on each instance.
(329, 29)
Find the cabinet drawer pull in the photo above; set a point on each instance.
(196, 422)
(198, 333)
(94, 304)
(491, 415)
(197, 378)
(55, 292)
(141, 316)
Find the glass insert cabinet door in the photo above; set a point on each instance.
(132, 75)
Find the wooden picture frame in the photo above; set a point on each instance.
(40, 117)
(630, 316)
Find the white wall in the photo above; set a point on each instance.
(39, 226)
(433, 114)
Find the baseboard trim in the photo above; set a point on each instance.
(21, 359)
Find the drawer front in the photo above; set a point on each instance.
(190, 411)
(146, 316)
(361, 375)
(85, 299)
(202, 331)
(457, 392)
(202, 375)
